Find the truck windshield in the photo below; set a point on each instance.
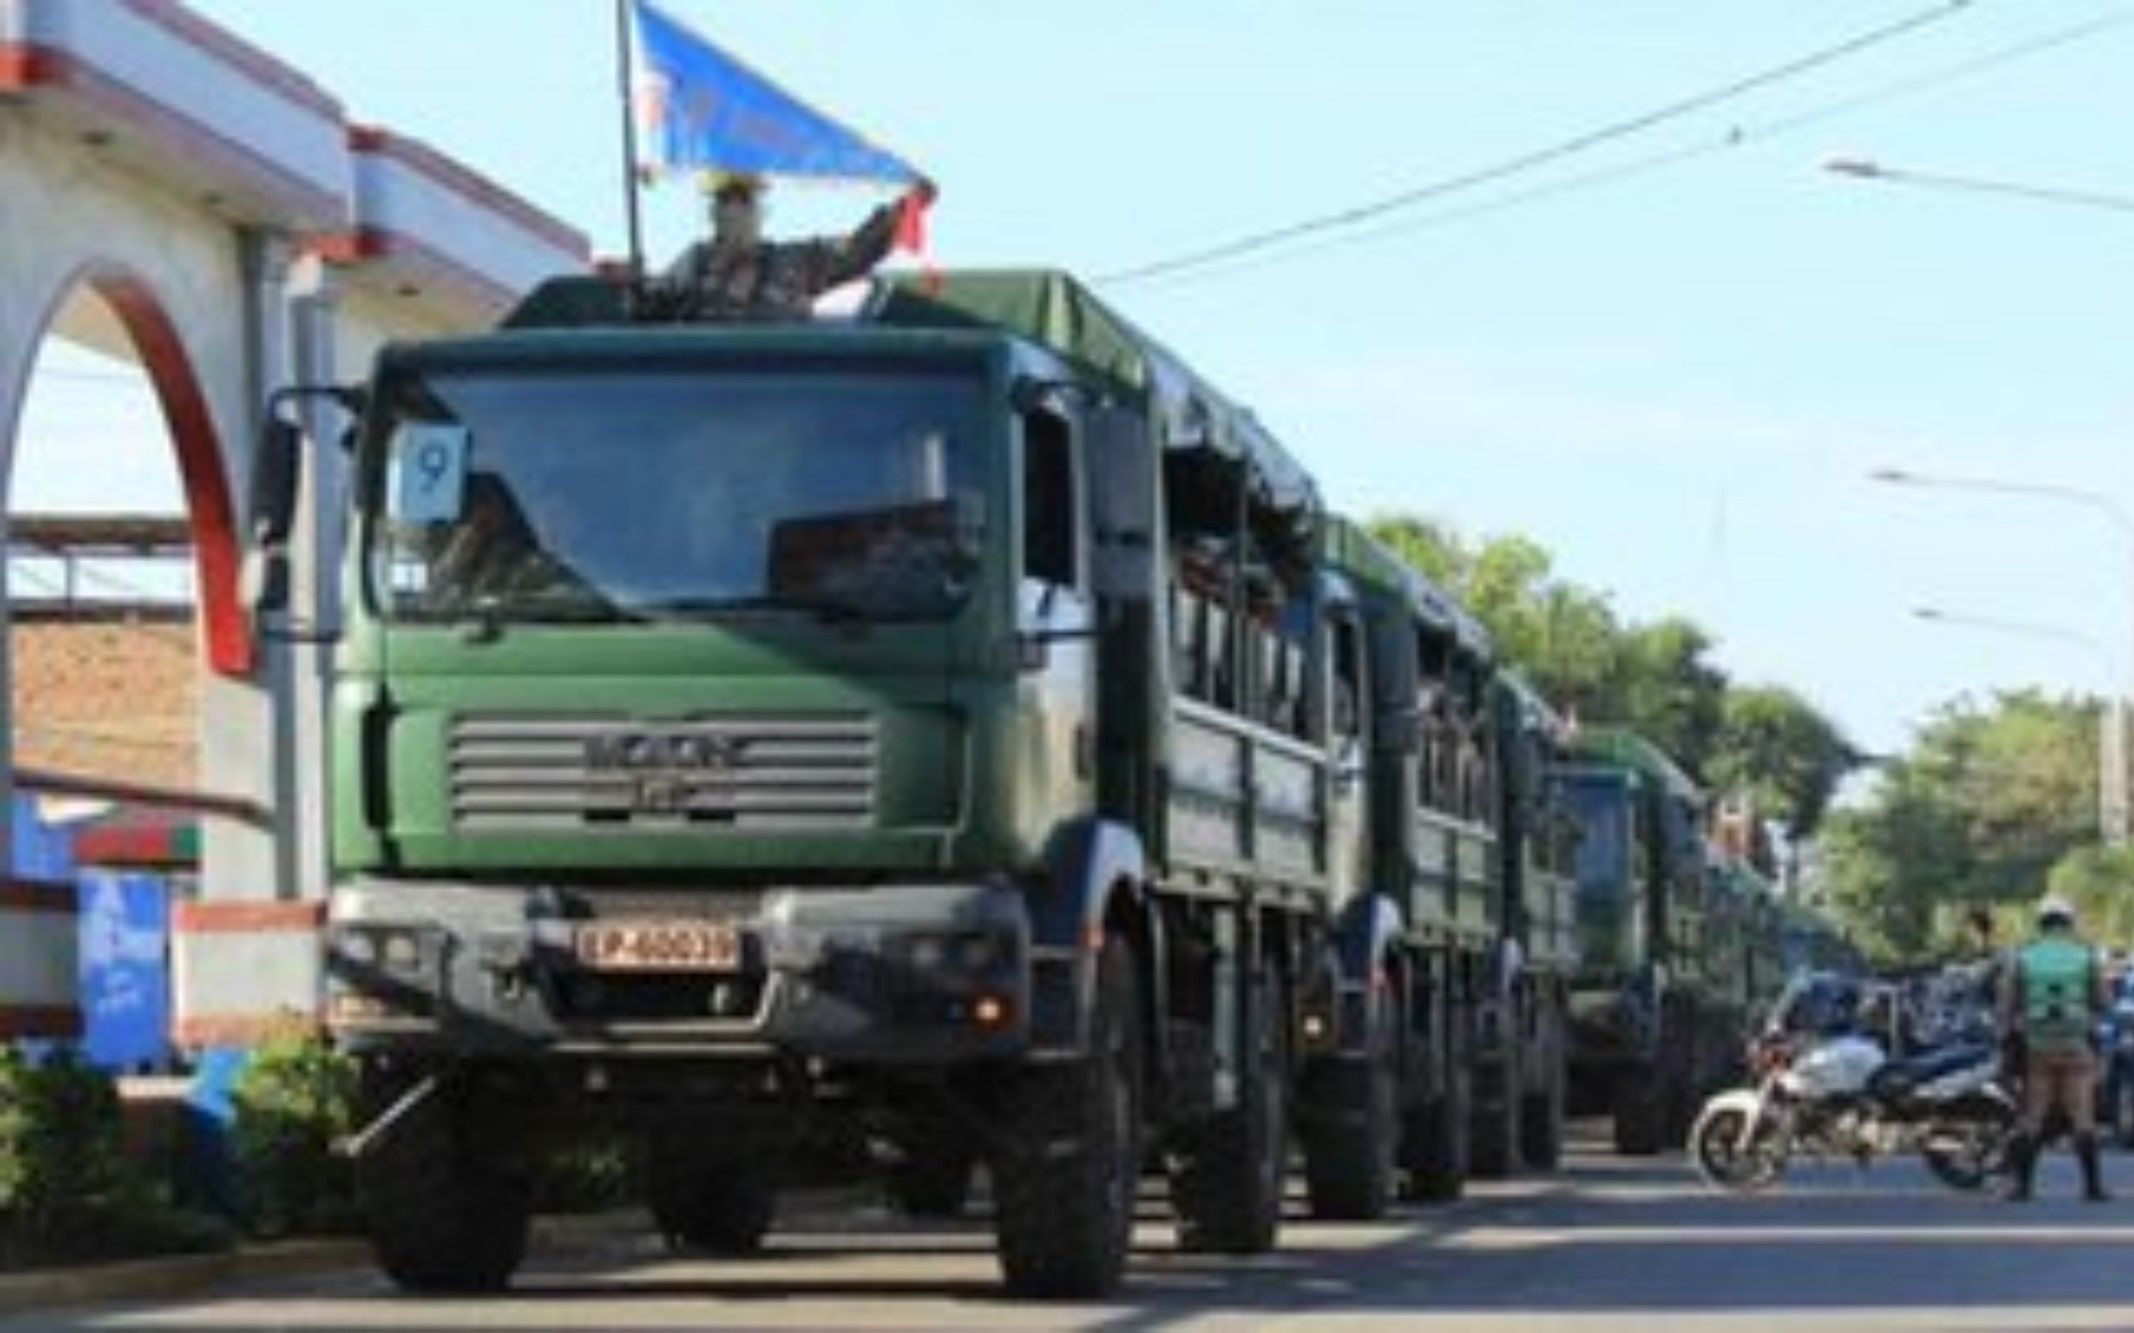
(568, 495)
(1603, 841)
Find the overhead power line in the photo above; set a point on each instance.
(1528, 161)
(1733, 138)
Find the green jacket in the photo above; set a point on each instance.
(2057, 980)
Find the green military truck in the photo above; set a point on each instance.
(1522, 1071)
(826, 750)
(1643, 1011)
(1748, 953)
(1443, 1055)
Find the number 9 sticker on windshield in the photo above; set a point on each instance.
(426, 475)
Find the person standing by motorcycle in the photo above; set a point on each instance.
(2051, 996)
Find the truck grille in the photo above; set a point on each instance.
(549, 773)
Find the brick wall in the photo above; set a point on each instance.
(108, 698)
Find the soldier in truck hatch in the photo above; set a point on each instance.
(737, 275)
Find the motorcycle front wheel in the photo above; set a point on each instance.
(1723, 1159)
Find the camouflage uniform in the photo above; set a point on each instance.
(771, 279)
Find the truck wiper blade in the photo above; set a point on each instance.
(755, 604)
(491, 615)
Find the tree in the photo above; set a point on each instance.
(2099, 881)
(1667, 690)
(1566, 639)
(1986, 809)
(1781, 754)
(1658, 679)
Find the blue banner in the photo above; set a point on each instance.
(125, 969)
(698, 107)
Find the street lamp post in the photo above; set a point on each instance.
(2111, 731)
(1869, 170)
(2113, 793)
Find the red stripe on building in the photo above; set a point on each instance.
(242, 918)
(42, 68)
(467, 183)
(23, 66)
(241, 1029)
(30, 895)
(39, 1020)
(137, 845)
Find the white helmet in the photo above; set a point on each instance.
(2054, 910)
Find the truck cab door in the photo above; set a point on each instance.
(1348, 747)
(1054, 613)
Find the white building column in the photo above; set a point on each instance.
(245, 954)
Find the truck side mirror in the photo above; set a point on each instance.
(277, 468)
(263, 580)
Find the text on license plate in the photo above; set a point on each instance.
(659, 946)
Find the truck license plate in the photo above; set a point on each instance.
(659, 946)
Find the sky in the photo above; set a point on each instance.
(1658, 337)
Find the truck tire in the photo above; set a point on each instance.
(1494, 1132)
(711, 1206)
(1685, 1081)
(1434, 1146)
(1641, 1110)
(1541, 1119)
(443, 1216)
(1068, 1169)
(1228, 1172)
(933, 1177)
(1352, 1156)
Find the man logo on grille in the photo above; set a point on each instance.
(651, 753)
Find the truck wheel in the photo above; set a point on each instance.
(1493, 1135)
(1434, 1139)
(1541, 1120)
(1067, 1174)
(1641, 1102)
(933, 1178)
(1352, 1157)
(1228, 1173)
(443, 1215)
(1681, 1063)
(722, 1206)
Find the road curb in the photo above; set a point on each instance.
(176, 1275)
(185, 1274)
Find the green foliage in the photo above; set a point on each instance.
(1775, 749)
(294, 1101)
(67, 1190)
(59, 1153)
(1989, 807)
(2099, 881)
(1669, 692)
(1656, 679)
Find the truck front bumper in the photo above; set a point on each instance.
(895, 974)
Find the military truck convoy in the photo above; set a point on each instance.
(954, 737)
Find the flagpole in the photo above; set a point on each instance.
(626, 70)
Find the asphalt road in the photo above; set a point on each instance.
(1609, 1244)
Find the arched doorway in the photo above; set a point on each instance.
(121, 598)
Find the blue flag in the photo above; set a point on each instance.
(698, 107)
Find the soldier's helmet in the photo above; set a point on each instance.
(721, 186)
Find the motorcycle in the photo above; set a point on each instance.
(1839, 1095)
